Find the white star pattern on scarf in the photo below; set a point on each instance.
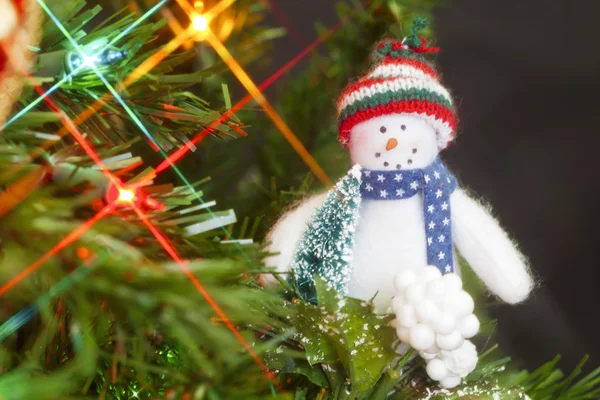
(367, 173)
(432, 188)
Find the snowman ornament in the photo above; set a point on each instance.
(406, 216)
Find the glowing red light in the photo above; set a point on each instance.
(126, 196)
(132, 196)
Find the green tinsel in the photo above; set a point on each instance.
(156, 385)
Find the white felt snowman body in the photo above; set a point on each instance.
(391, 236)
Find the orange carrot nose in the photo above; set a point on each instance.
(391, 144)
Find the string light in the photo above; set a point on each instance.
(132, 197)
(200, 23)
(66, 78)
(75, 61)
(126, 196)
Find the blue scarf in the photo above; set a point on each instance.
(436, 183)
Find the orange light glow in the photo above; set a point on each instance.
(175, 26)
(82, 252)
(200, 23)
(285, 130)
(218, 8)
(199, 19)
(183, 150)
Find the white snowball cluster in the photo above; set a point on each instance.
(449, 367)
(434, 315)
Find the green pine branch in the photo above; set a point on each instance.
(161, 99)
(113, 317)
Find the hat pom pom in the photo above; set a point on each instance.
(419, 23)
(412, 45)
(389, 48)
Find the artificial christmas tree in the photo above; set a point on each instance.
(117, 278)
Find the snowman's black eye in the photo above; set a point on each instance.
(383, 129)
(414, 151)
(403, 127)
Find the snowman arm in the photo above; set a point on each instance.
(286, 234)
(488, 249)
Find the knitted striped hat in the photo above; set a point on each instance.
(401, 81)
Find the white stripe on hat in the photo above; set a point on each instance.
(396, 70)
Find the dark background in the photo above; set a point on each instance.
(526, 77)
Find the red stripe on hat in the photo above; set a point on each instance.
(400, 107)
